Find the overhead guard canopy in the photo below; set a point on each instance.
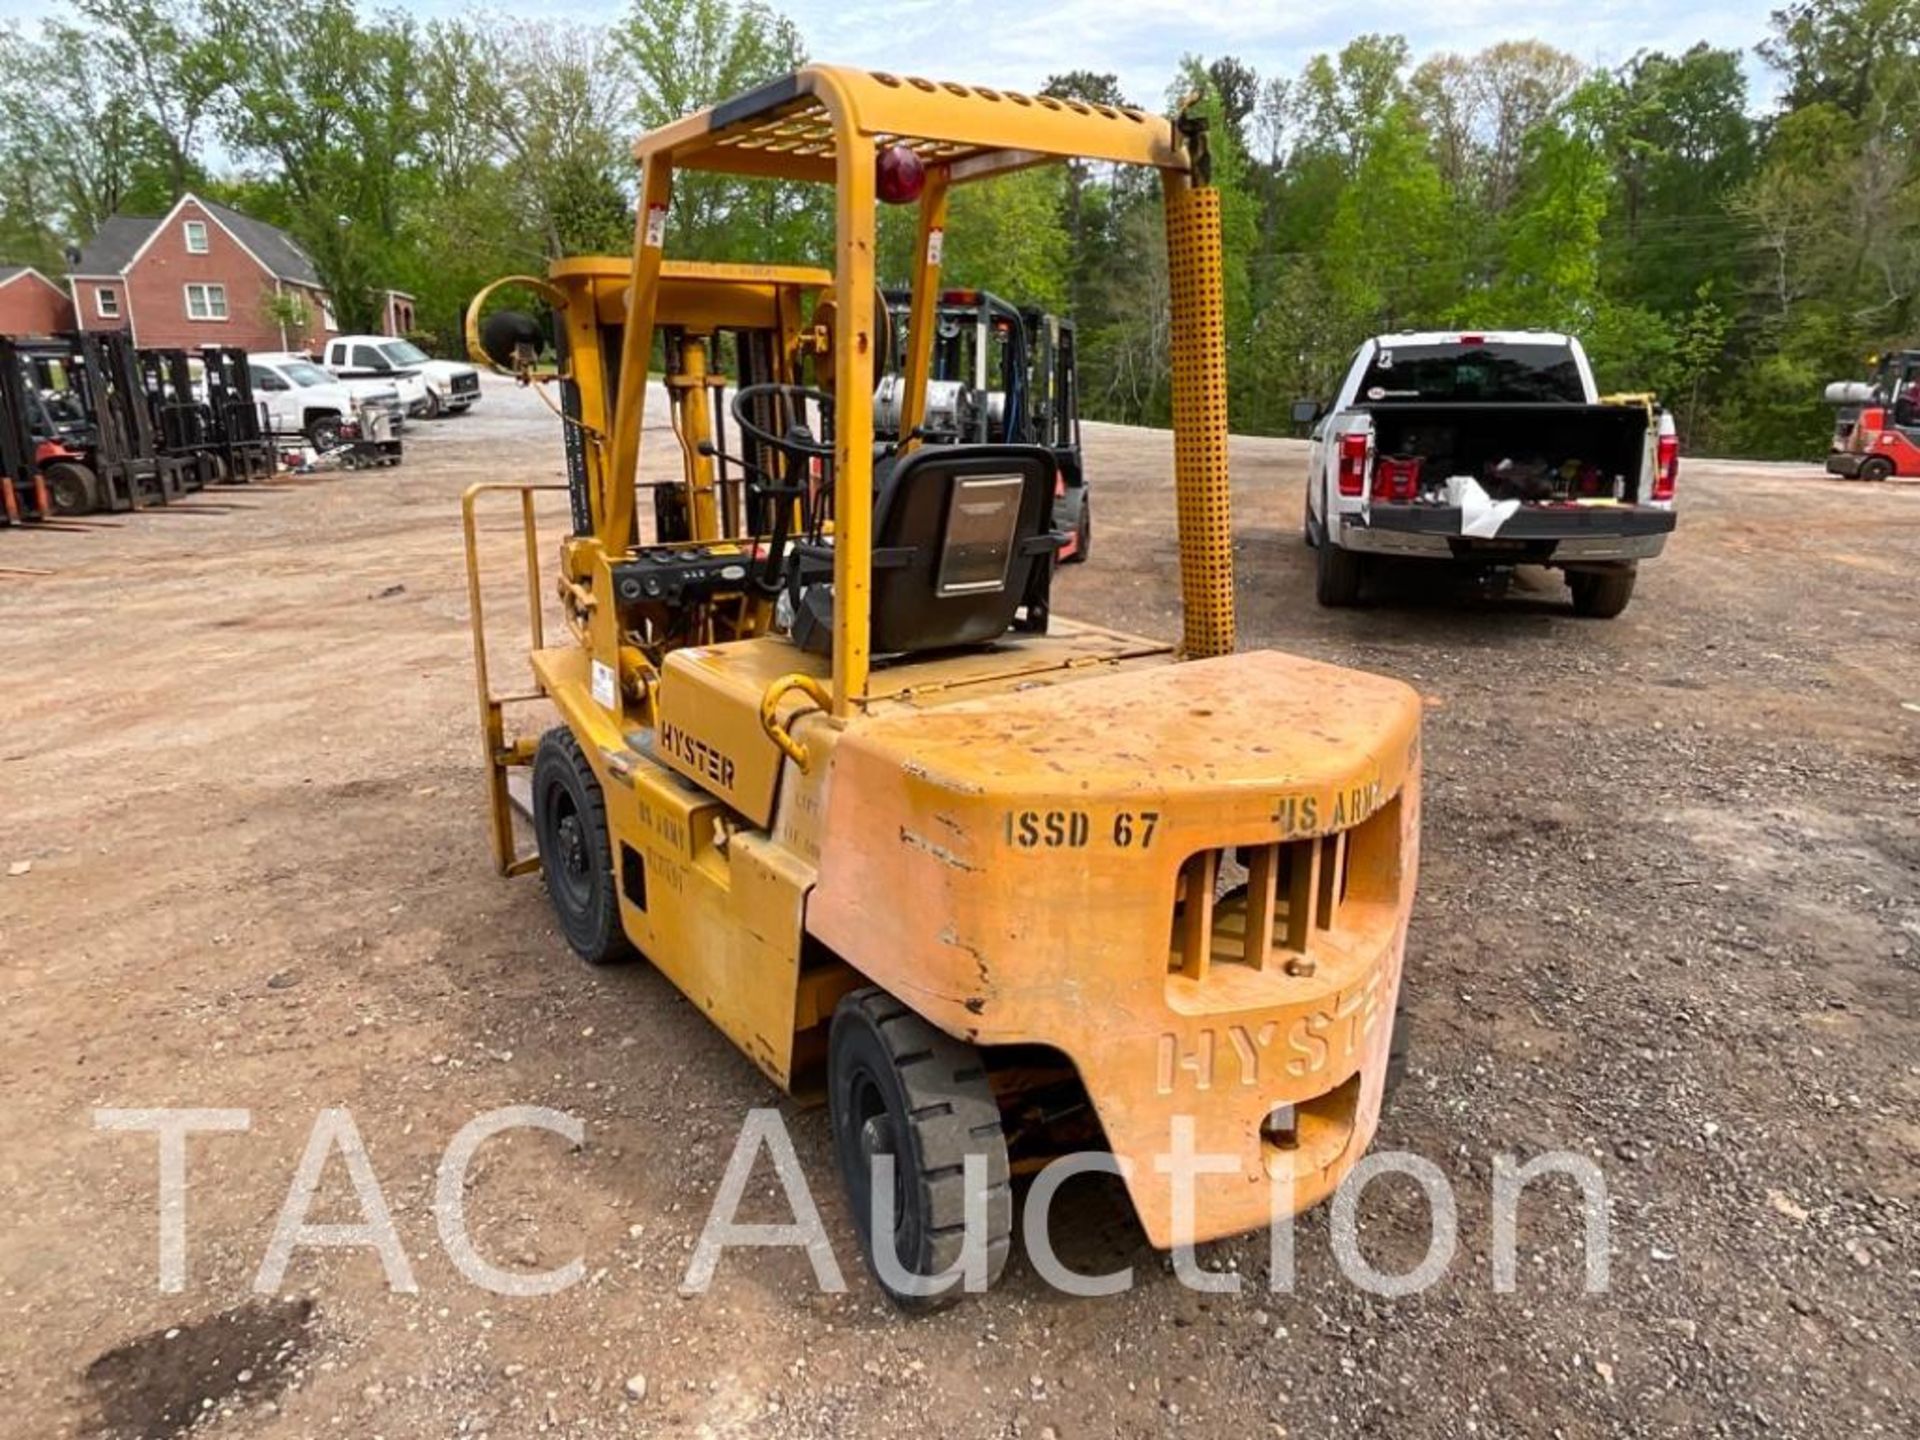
(785, 129)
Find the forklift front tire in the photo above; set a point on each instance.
(576, 856)
(898, 1086)
(72, 488)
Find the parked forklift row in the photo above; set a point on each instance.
(90, 422)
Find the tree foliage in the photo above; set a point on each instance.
(1728, 260)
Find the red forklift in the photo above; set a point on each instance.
(1876, 433)
(97, 446)
(23, 487)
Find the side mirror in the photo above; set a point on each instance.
(1305, 412)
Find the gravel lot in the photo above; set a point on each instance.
(1669, 919)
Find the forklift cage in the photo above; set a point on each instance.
(829, 125)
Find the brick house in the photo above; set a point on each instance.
(203, 274)
(31, 304)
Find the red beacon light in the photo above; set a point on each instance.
(900, 175)
(1473, 339)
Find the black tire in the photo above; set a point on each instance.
(576, 855)
(1876, 468)
(1337, 575)
(898, 1085)
(430, 408)
(72, 489)
(323, 431)
(1083, 533)
(1601, 594)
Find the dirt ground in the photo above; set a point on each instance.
(1669, 918)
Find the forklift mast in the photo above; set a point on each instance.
(237, 424)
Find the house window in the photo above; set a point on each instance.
(106, 302)
(196, 237)
(326, 314)
(206, 302)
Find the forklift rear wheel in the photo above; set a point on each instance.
(1336, 575)
(898, 1086)
(72, 488)
(576, 857)
(1601, 594)
(1876, 468)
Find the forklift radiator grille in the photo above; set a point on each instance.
(1293, 890)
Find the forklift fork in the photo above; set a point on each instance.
(504, 756)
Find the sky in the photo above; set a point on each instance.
(1016, 44)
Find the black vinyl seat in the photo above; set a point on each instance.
(963, 551)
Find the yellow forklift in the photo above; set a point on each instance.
(988, 882)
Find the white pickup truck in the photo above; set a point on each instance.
(430, 388)
(303, 399)
(1489, 449)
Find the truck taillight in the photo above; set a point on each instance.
(1667, 472)
(1353, 464)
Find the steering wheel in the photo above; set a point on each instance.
(799, 440)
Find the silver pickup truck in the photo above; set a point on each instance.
(1487, 449)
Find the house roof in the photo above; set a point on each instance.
(11, 273)
(123, 237)
(114, 244)
(271, 245)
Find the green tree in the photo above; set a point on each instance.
(1392, 259)
(330, 103)
(1680, 145)
(689, 54)
(1550, 261)
(164, 51)
(78, 150)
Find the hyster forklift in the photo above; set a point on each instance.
(1000, 372)
(992, 884)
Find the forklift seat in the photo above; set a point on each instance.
(961, 540)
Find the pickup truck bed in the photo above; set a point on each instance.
(1600, 448)
(1486, 450)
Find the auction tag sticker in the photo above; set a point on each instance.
(656, 226)
(604, 691)
(936, 244)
